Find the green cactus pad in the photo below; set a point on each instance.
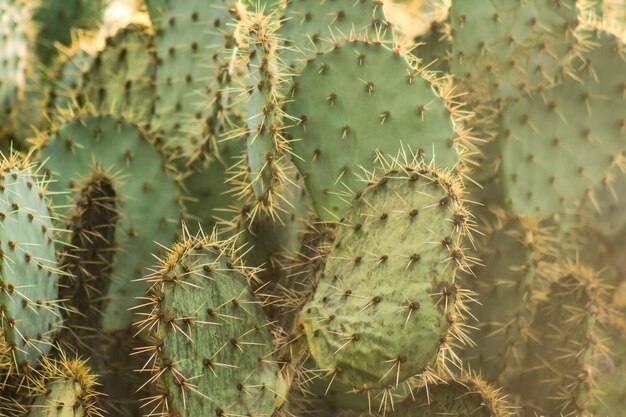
(502, 48)
(210, 347)
(560, 144)
(57, 18)
(315, 26)
(121, 78)
(464, 396)
(147, 195)
(68, 390)
(73, 62)
(191, 40)
(15, 43)
(208, 188)
(561, 364)
(514, 255)
(350, 113)
(29, 298)
(272, 240)
(267, 148)
(371, 331)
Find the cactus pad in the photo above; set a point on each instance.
(560, 144)
(210, 347)
(136, 170)
(350, 114)
(29, 294)
(371, 331)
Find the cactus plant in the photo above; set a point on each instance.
(333, 150)
(31, 315)
(209, 345)
(422, 310)
(104, 144)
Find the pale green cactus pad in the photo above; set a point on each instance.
(350, 114)
(558, 145)
(370, 331)
(147, 196)
(29, 296)
(502, 48)
(210, 346)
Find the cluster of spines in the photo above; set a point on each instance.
(261, 176)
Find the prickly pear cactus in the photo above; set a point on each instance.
(367, 330)
(210, 347)
(16, 39)
(134, 170)
(564, 354)
(502, 49)
(29, 295)
(121, 77)
(191, 40)
(349, 115)
(309, 28)
(68, 390)
(565, 133)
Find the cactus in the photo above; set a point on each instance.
(517, 255)
(190, 41)
(267, 149)
(502, 49)
(120, 80)
(210, 347)
(56, 19)
(31, 315)
(88, 144)
(68, 389)
(15, 52)
(422, 310)
(309, 28)
(568, 323)
(356, 117)
(550, 129)
(333, 149)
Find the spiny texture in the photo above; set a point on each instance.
(368, 330)
(29, 297)
(312, 26)
(57, 18)
(464, 396)
(210, 348)
(146, 196)
(516, 255)
(15, 42)
(561, 143)
(350, 114)
(191, 40)
(74, 61)
(274, 238)
(68, 389)
(561, 364)
(504, 48)
(121, 78)
(267, 149)
(433, 48)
